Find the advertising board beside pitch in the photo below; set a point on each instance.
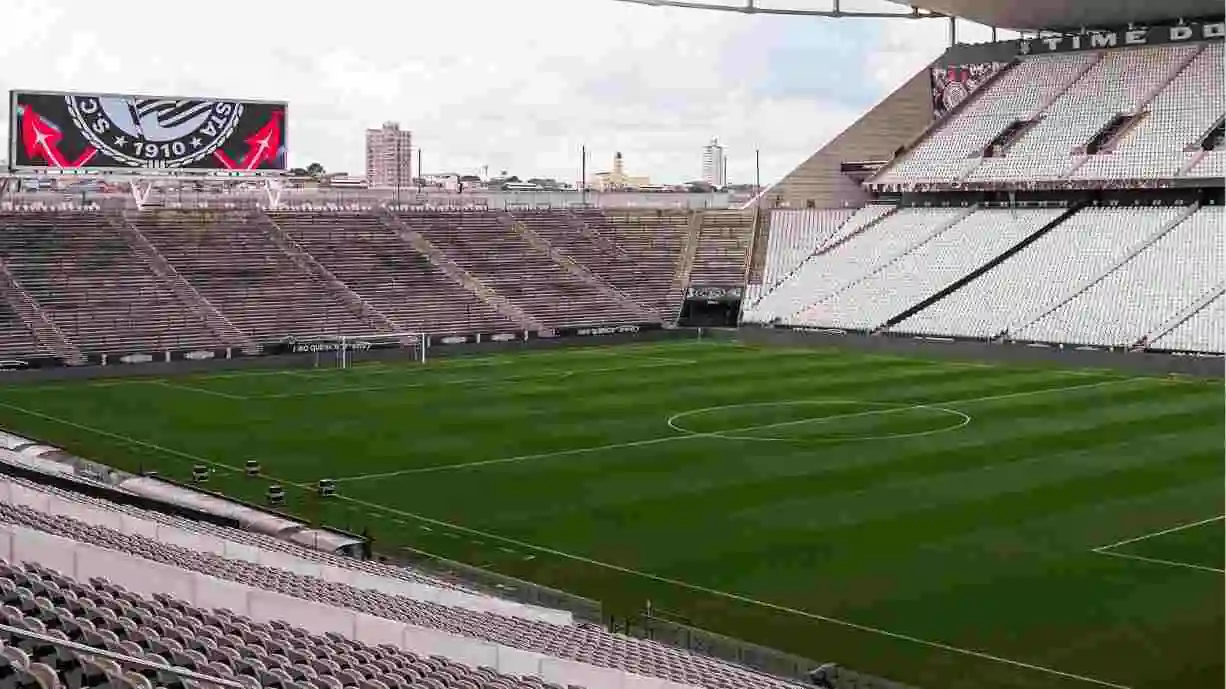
(107, 132)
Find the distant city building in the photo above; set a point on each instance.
(714, 165)
(617, 179)
(389, 156)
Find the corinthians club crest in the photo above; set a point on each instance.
(154, 132)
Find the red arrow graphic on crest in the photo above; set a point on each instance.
(42, 141)
(262, 146)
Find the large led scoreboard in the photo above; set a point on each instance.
(140, 134)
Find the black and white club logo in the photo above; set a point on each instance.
(154, 132)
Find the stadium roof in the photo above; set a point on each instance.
(1033, 15)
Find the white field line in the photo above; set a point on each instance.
(1163, 532)
(618, 568)
(600, 448)
(742, 599)
(680, 437)
(1157, 561)
(732, 433)
(193, 389)
(1110, 549)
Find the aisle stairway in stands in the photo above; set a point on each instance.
(1165, 277)
(1041, 277)
(1200, 331)
(376, 319)
(494, 254)
(96, 292)
(554, 236)
(411, 233)
(644, 252)
(953, 251)
(25, 330)
(238, 267)
(856, 256)
(227, 333)
(795, 289)
(376, 263)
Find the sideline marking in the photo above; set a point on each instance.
(1110, 549)
(893, 407)
(677, 437)
(619, 568)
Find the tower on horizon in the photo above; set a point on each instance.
(389, 156)
(714, 168)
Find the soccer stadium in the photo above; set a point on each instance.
(941, 408)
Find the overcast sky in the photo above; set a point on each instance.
(518, 85)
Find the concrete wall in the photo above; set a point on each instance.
(281, 361)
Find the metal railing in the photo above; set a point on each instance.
(756, 657)
(501, 585)
(120, 658)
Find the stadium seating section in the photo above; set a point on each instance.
(1102, 276)
(149, 619)
(1122, 273)
(1038, 119)
(95, 282)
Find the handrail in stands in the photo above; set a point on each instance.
(120, 657)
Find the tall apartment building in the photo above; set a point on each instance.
(714, 170)
(389, 156)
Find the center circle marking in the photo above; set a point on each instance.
(961, 420)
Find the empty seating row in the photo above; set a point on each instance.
(371, 259)
(1044, 274)
(795, 235)
(640, 282)
(581, 643)
(769, 301)
(723, 244)
(651, 241)
(952, 149)
(1055, 105)
(237, 266)
(1201, 332)
(928, 268)
(1135, 298)
(16, 340)
(90, 283)
(859, 255)
(216, 643)
(486, 246)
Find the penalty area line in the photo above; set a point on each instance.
(1158, 561)
(1111, 548)
(605, 565)
(1163, 532)
(195, 390)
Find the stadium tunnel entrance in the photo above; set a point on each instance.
(711, 306)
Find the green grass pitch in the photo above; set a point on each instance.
(948, 525)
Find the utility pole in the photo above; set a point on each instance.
(757, 173)
(583, 174)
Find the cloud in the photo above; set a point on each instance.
(518, 85)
